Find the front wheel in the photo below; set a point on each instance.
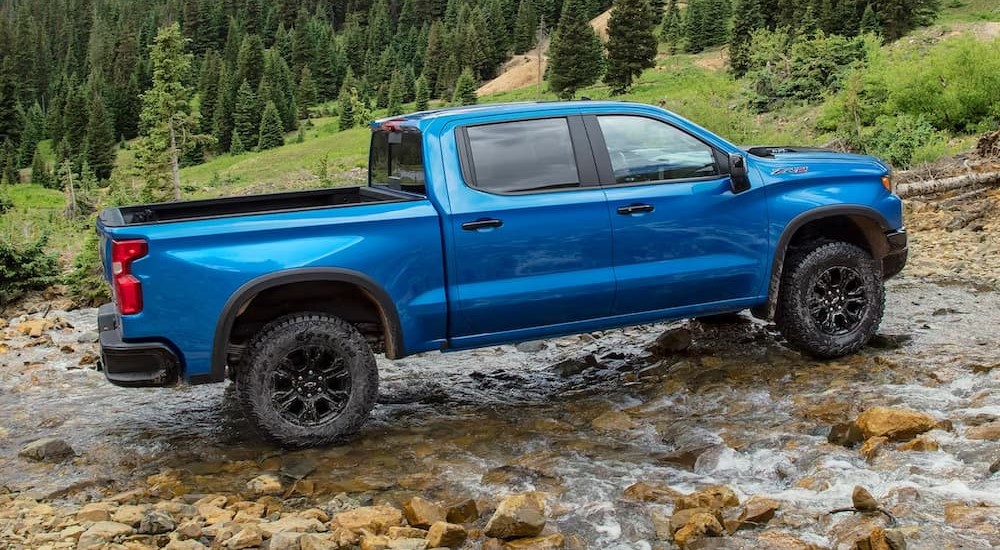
(831, 300)
(309, 379)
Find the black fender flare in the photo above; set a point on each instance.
(249, 290)
(766, 311)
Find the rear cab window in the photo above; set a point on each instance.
(397, 161)
(520, 156)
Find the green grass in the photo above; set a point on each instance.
(961, 11)
(39, 211)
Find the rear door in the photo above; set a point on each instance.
(681, 236)
(530, 229)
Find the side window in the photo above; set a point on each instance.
(527, 155)
(647, 150)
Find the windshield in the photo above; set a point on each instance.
(397, 160)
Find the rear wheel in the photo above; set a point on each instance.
(831, 301)
(309, 379)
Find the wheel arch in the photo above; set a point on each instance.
(859, 225)
(246, 294)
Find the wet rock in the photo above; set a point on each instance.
(897, 424)
(674, 340)
(34, 327)
(845, 434)
(613, 421)
(989, 431)
(247, 537)
(714, 497)
(95, 511)
(661, 525)
(517, 516)
(446, 535)
(155, 522)
(922, 443)
(102, 533)
(686, 442)
(536, 543)
(889, 341)
(89, 337)
(783, 540)
(48, 449)
(681, 518)
(530, 347)
(651, 492)
(872, 447)
(995, 467)
(292, 524)
(699, 525)
(88, 358)
(466, 511)
(971, 516)
(862, 500)
(285, 541)
(756, 512)
(423, 513)
(895, 539)
(266, 484)
(374, 518)
(574, 366)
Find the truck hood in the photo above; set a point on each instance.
(795, 160)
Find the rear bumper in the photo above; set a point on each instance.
(894, 261)
(144, 365)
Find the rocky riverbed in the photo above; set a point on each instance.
(705, 436)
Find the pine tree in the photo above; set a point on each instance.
(74, 124)
(10, 122)
(525, 26)
(33, 132)
(465, 89)
(576, 56)
(422, 93)
(236, 144)
(672, 27)
(306, 93)
(395, 99)
(869, 21)
(631, 43)
(246, 114)
(100, 141)
(8, 163)
(346, 101)
(169, 128)
(272, 133)
(749, 17)
(435, 56)
(250, 63)
(39, 171)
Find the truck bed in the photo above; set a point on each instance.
(253, 204)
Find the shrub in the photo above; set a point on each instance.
(5, 204)
(896, 138)
(24, 268)
(86, 284)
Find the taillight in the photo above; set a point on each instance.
(128, 289)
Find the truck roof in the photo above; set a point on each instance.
(421, 119)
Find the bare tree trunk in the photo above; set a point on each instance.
(72, 194)
(947, 184)
(174, 163)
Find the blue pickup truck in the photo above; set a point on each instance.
(491, 224)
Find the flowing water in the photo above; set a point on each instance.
(736, 409)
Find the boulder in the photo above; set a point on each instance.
(292, 524)
(872, 447)
(530, 347)
(374, 518)
(266, 484)
(407, 544)
(922, 443)
(423, 513)
(613, 421)
(863, 501)
(757, 511)
(989, 431)
(673, 340)
(406, 533)
(156, 522)
(970, 516)
(573, 367)
(651, 492)
(190, 529)
(699, 525)
(247, 537)
(130, 514)
(95, 511)
(324, 542)
(536, 543)
(896, 424)
(466, 511)
(34, 327)
(102, 533)
(517, 516)
(49, 449)
(285, 541)
(876, 540)
(446, 535)
(177, 544)
(714, 497)
(681, 518)
(213, 514)
(845, 434)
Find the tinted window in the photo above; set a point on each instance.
(528, 155)
(644, 150)
(397, 160)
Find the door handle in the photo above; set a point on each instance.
(635, 209)
(484, 223)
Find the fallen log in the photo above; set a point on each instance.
(947, 184)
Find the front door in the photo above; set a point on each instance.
(531, 234)
(681, 236)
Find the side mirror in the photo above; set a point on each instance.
(739, 180)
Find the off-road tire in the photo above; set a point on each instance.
(266, 362)
(801, 282)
